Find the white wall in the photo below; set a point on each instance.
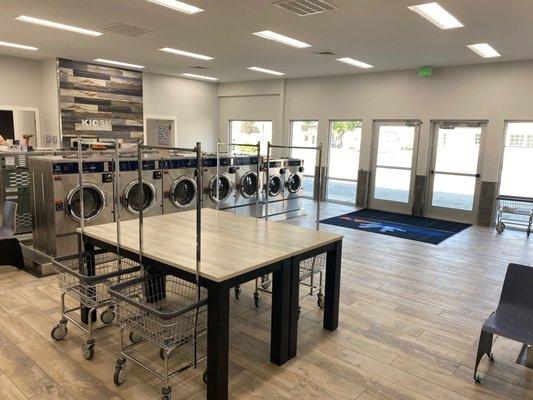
(193, 103)
(24, 123)
(494, 92)
(50, 105)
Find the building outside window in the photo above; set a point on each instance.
(517, 160)
(305, 133)
(250, 132)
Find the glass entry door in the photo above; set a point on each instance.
(454, 176)
(395, 145)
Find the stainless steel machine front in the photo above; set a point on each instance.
(292, 198)
(179, 184)
(219, 189)
(274, 184)
(247, 186)
(55, 200)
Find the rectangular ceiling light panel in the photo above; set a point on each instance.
(57, 25)
(18, 46)
(282, 39)
(185, 53)
(485, 50)
(178, 6)
(303, 8)
(355, 63)
(436, 14)
(207, 78)
(119, 63)
(266, 71)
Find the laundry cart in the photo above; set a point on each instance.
(160, 310)
(514, 211)
(86, 276)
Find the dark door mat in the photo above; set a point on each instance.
(427, 230)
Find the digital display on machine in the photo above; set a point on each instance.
(246, 160)
(132, 165)
(295, 163)
(72, 168)
(223, 162)
(178, 163)
(274, 164)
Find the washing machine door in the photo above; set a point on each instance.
(224, 188)
(132, 196)
(249, 185)
(275, 185)
(93, 202)
(294, 183)
(183, 192)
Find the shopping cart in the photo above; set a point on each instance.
(161, 310)
(86, 277)
(309, 269)
(514, 211)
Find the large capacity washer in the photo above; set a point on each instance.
(56, 205)
(130, 188)
(179, 184)
(292, 198)
(248, 185)
(274, 185)
(225, 180)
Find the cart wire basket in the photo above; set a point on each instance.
(514, 211)
(309, 269)
(86, 277)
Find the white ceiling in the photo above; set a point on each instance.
(383, 33)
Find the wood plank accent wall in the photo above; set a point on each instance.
(100, 100)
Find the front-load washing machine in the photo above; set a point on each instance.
(274, 185)
(55, 199)
(225, 181)
(247, 185)
(179, 184)
(152, 188)
(293, 187)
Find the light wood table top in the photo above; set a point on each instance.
(231, 244)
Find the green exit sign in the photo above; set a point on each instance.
(425, 72)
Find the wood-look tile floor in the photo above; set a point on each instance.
(409, 324)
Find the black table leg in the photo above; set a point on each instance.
(333, 284)
(281, 291)
(217, 342)
(294, 307)
(90, 263)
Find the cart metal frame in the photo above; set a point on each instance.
(508, 208)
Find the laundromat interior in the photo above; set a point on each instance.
(266, 199)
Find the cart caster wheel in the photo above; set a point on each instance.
(59, 332)
(491, 357)
(107, 316)
(162, 354)
(265, 282)
(87, 349)
(500, 227)
(320, 301)
(120, 373)
(204, 376)
(238, 292)
(135, 337)
(477, 379)
(257, 300)
(166, 392)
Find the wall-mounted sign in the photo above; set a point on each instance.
(100, 99)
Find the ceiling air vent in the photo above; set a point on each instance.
(325, 53)
(198, 67)
(124, 30)
(304, 8)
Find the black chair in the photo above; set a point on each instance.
(513, 318)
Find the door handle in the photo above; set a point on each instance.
(432, 172)
(478, 176)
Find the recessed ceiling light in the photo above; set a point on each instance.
(18, 46)
(485, 50)
(266, 71)
(355, 63)
(207, 78)
(178, 6)
(119, 63)
(282, 39)
(439, 16)
(57, 25)
(185, 53)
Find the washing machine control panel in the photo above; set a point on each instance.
(107, 177)
(72, 167)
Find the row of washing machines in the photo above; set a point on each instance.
(169, 185)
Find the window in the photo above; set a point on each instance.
(344, 150)
(517, 160)
(305, 133)
(250, 132)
